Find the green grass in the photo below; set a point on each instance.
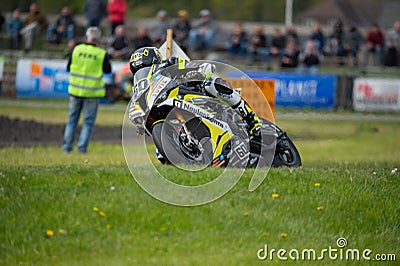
(56, 111)
(346, 141)
(353, 161)
(358, 204)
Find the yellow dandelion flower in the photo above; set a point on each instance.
(108, 226)
(95, 209)
(163, 229)
(245, 214)
(61, 231)
(102, 213)
(284, 235)
(275, 195)
(50, 233)
(265, 234)
(320, 208)
(317, 184)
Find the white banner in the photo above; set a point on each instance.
(376, 94)
(1, 67)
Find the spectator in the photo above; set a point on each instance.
(14, 26)
(33, 25)
(336, 41)
(310, 58)
(2, 20)
(258, 50)
(202, 34)
(142, 38)
(373, 45)
(237, 43)
(116, 13)
(290, 57)
(181, 28)
(63, 27)
(86, 65)
(159, 29)
(392, 42)
(278, 43)
(70, 47)
(291, 35)
(120, 45)
(352, 42)
(94, 11)
(318, 36)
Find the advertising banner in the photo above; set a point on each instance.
(45, 78)
(376, 94)
(1, 67)
(301, 90)
(257, 99)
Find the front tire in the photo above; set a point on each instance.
(166, 137)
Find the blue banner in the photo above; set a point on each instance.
(44, 78)
(301, 90)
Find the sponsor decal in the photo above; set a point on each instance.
(197, 111)
(158, 86)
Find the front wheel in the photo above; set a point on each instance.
(188, 145)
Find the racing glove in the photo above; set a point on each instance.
(172, 60)
(136, 115)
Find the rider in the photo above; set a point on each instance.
(148, 60)
(147, 57)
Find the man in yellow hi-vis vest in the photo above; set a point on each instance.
(86, 64)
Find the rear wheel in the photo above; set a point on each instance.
(286, 153)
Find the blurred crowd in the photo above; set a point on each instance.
(344, 42)
(282, 46)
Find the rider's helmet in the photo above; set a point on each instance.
(144, 57)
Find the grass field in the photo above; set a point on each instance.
(72, 209)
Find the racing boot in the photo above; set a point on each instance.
(251, 119)
(160, 157)
(254, 131)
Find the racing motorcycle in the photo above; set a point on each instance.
(189, 127)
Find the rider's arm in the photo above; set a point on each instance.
(136, 113)
(172, 60)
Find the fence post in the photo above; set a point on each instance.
(344, 92)
(10, 69)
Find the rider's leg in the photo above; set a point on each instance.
(251, 119)
(160, 157)
(220, 88)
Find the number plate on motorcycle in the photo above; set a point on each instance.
(241, 151)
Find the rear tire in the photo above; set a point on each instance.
(286, 153)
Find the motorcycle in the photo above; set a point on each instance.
(189, 127)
